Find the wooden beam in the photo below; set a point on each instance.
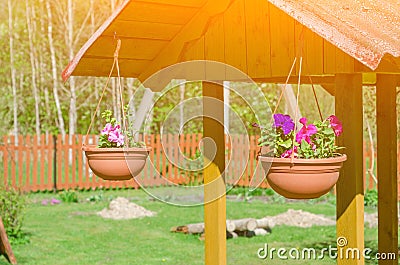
(320, 80)
(350, 188)
(387, 166)
(5, 247)
(214, 181)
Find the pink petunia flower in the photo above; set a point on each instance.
(306, 131)
(288, 153)
(107, 129)
(115, 136)
(336, 125)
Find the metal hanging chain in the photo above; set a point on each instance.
(104, 89)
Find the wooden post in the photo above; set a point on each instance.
(214, 181)
(387, 166)
(350, 192)
(5, 247)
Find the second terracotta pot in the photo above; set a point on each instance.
(304, 178)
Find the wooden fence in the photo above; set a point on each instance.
(45, 163)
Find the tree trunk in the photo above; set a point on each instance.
(72, 84)
(13, 70)
(32, 55)
(54, 69)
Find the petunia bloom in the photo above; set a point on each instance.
(288, 153)
(115, 136)
(336, 125)
(107, 129)
(306, 132)
(284, 122)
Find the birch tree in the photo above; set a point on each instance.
(12, 67)
(33, 56)
(54, 71)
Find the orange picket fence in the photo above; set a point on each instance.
(46, 162)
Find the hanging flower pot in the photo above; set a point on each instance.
(302, 178)
(116, 163)
(117, 156)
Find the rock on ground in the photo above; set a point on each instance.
(121, 208)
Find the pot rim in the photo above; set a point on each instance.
(335, 159)
(94, 148)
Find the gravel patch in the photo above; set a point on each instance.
(122, 209)
(300, 218)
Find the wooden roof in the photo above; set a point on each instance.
(255, 36)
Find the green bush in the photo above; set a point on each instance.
(12, 206)
(371, 198)
(68, 196)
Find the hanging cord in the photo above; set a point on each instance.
(104, 89)
(284, 87)
(297, 109)
(122, 100)
(316, 98)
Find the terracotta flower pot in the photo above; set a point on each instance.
(116, 163)
(305, 178)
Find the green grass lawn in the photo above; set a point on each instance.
(74, 234)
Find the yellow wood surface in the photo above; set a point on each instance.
(350, 188)
(258, 38)
(387, 166)
(214, 183)
(235, 36)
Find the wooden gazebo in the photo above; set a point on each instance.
(345, 44)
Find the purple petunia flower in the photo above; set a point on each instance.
(306, 131)
(284, 122)
(336, 125)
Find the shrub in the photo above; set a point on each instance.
(12, 206)
(68, 196)
(371, 198)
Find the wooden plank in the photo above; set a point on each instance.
(59, 162)
(20, 161)
(160, 177)
(80, 163)
(153, 174)
(74, 149)
(152, 12)
(170, 155)
(191, 31)
(189, 3)
(258, 38)
(35, 165)
(312, 47)
(142, 30)
(141, 49)
(13, 161)
(350, 192)
(50, 161)
(5, 160)
(28, 146)
(176, 158)
(5, 247)
(214, 39)
(329, 58)
(214, 188)
(235, 36)
(193, 50)
(66, 148)
(42, 161)
(282, 41)
(128, 67)
(387, 165)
